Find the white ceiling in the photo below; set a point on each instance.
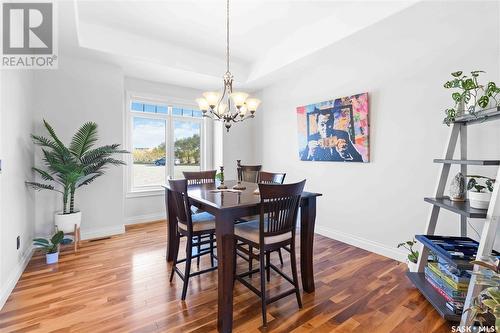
(183, 42)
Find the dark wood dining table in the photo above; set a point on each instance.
(227, 206)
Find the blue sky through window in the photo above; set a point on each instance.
(148, 133)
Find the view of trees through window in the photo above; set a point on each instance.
(150, 152)
(186, 146)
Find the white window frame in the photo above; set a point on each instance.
(170, 102)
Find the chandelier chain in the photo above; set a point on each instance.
(227, 35)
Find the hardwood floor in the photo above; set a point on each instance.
(121, 284)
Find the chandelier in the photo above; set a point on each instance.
(227, 106)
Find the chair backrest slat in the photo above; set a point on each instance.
(200, 177)
(271, 177)
(178, 189)
(248, 173)
(279, 205)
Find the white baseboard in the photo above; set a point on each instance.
(145, 218)
(103, 232)
(14, 276)
(365, 244)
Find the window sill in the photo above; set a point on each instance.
(145, 193)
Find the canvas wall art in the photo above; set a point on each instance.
(335, 130)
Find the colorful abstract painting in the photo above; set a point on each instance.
(335, 130)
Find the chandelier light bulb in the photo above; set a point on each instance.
(252, 104)
(212, 98)
(238, 98)
(202, 104)
(243, 110)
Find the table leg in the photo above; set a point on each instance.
(224, 229)
(172, 240)
(307, 220)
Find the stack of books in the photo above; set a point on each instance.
(450, 282)
(449, 273)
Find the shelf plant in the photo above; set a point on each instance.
(68, 168)
(469, 94)
(487, 302)
(480, 195)
(51, 246)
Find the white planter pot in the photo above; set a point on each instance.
(52, 258)
(479, 200)
(412, 266)
(66, 222)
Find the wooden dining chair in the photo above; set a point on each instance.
(271, 177)
(197, 178)
(267, 178)
(200, 177)
(193, 227)
(274, 229)
(248, 173)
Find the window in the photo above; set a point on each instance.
(164, 140)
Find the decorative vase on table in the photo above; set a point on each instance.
(457, 188)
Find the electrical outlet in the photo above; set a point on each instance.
(18, 240)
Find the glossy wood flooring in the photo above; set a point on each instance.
(121, 284)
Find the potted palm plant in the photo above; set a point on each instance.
(69, 168)
(51, 246)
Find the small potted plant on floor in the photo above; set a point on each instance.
(412, 255)
(480, 195)
(51, 246)
(69, 168)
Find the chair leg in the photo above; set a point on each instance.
(174, 262)
(268, 266)
(75, 239)
(189, 250)
(212, 250)
(281, 257)
(263, 287)
(234, 261)
(250, 260)
(294, 274)
(198, 249)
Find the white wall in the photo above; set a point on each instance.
(239, 144)
(402, 63)
(16, 153)
(80, 91)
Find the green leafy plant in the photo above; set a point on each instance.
(69, 168)
(473, 184)
(51, 245)
(413, 254)
(469, 89)
(488, 300)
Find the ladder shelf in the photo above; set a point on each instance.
(458, 131)
(460, 207)
(468, 162)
